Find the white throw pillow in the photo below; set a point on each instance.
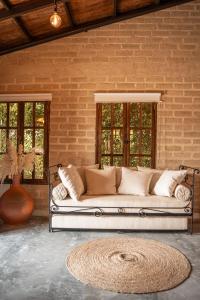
(72, 181)
(59, 192)
(118, 173)
(81, 171)
(134, 182)
(167, 182)
(101, 182)
(156, 175)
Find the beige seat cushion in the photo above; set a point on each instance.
(134, 182)
(101, 182)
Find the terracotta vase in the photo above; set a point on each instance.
(16, 204)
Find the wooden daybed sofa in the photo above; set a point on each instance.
(122, 212)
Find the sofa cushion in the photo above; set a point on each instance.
(155, 176)
(101, 182)
(72, 181)
(119, 173)
(134, 182)
(167, 182)
(59, 192)
(182, 193)
(81, 171)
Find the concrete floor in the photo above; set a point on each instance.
(33, 265)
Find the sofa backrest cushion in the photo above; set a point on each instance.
(101, 182)
(156, 175)
(134, 182)
(72, 181)
(118, 173)
(81, 171)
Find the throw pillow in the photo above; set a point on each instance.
(81, 171)
(134, 182)
(182, 193)
(118, 173)
(101, 182)
(72, 181)
(59, 192)
(167, 182)
(156, 175)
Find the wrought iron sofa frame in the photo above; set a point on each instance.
(187, 210)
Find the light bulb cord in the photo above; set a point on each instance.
(55, 6)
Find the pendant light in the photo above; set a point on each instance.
(55, 19)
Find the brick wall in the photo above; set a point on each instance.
(155, 52)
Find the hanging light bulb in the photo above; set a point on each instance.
(55, 19)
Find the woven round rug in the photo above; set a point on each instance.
(128, 265)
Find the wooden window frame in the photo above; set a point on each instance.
(126, 134)
(20, 134)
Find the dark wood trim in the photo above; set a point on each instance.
(69, 12)
(126, 134)
(17, 20)
(23, 8)
(95, 24)
(23, 28)
(115, 3)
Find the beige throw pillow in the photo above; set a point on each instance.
(156, 175)
(72, 181)
(134, 182)
(81, 171)
(59, 192)
(101, 182)
(167, 182)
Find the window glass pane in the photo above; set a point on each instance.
(146, 142)
(13, 136)
(39, 138)
(134, 141)
(117, 141)
(28, 114)
(146, 114)
(27, 174)
(106, 115)
(39, 166)
(13, 112)
(134, 115)
(105, 160)
(118, 115)
(145, 161)
(105, 145)
(28, 140)
(2, 140)
(134, 161)
(3, 114)
(117, 161)
(39, 114)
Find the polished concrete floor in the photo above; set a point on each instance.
(33, 265)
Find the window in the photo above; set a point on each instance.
(27, 123)
(126, 134)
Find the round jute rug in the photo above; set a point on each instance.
(128, 265)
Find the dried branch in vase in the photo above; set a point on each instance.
(13, 162)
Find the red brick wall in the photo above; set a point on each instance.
(155, 52)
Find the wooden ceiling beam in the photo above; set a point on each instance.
(23, 8)
(97, 23)
(18, 20)
(115, 8)
(69, 12)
